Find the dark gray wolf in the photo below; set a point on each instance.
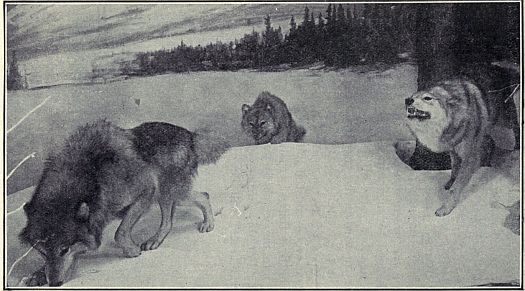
(460, 117)
(268, 120)
(104, 172)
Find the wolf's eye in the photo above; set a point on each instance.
(63, 251)
(252, 124)
(263, 122)
(427, 98)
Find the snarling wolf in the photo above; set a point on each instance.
(104, 172)
(464, 118)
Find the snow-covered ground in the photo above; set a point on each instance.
(308, 215)
(335, 107)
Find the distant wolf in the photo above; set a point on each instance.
(104, 172)
(462, 117)
(268, 120)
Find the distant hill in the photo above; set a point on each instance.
(40, 29)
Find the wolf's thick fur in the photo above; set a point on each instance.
(456, 116)
(105, 172)
(268, 120)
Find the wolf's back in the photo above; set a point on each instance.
(156, 141)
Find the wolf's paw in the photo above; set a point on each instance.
(151, 244)
(444, 210)
(131, 251)
(449, 204)
(38, 278)
(206, 226)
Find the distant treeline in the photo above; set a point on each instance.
(445, 35)
(343, 36)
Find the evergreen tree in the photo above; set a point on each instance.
(329, 18)
(306, 18)
(320, 22)
(349, 15)
(341, 18)
(293, 25)
(267, 24)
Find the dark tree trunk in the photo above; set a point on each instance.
(435, 60)
(435, 38)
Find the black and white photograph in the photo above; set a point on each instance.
(240, 144)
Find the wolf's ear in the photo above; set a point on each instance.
(83, 212)
(245, 108)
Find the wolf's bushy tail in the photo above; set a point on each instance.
(208, 148)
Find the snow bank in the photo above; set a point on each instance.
(309, 215)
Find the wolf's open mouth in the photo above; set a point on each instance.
(412, 112)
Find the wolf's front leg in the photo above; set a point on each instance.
(455, 161)
(469, 165)
(281, 137)
(167, 209)
(123, 234)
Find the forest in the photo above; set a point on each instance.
(345, 35)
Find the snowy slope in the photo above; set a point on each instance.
(59, 44)
(315, 215)
(341, 107)
(44, 28)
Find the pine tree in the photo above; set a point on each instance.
(320, 21)
(349, 15)
(329, 18)
(293, 25)
(306, 16)
(341, 18)
(267, 23)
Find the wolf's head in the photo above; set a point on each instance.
(437, 114)
(259, 122)
(58, 234)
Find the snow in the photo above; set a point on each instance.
(76, 30)
(307, 215)
(335, 107)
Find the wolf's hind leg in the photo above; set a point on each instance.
(202, 200)
(167, 208)
(123, 234)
